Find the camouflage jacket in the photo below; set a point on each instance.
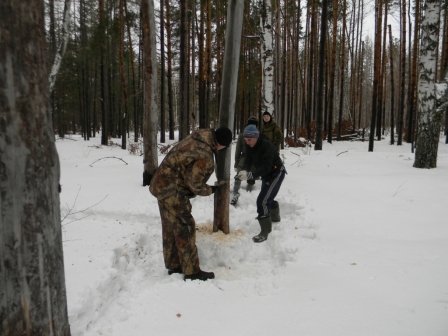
(273, 133)
(187, 167)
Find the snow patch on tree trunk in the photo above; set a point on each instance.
(429, 93)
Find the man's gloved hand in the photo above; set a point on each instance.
(219, 183)
(245, 175)
(214, 188)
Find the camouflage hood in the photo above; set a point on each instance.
(187, 167)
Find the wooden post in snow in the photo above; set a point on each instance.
(235, 11)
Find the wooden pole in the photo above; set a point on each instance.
(235, 11)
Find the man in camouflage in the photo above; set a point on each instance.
(183, 175)
(272, 131)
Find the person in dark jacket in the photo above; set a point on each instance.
(240, 153)
(261, 153)
(272, 131)
(182, 175)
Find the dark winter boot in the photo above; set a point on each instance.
(234, 200)
(201, 275)
(175, 270)
(236, 187)
(275, 212)
(266, 228)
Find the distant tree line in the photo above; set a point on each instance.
(368, 84)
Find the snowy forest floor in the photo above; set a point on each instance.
(362, 249)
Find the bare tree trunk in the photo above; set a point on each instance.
(341, 88)
(382, 78)
(402, 74)
(150, 85)
(413, 83)
(123, 79)
(376, 70)
(134, 90)
(32, 283)
(429, 115)
(235, 12)
(320, 80)
(62, 45)
(162, 73)
(104, 123)
(183, 71)
(332, 72)
(392, 87)
(170, 71)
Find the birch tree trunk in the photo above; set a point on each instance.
(429, 116)
(150, 88)
(62, 46)
(267, 57)
(32, 282)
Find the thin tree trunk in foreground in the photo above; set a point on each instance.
(150, 88)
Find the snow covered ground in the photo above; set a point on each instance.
(362, 249)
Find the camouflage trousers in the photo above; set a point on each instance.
(179, 234)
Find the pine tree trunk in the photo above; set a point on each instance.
(392, 87)
(412, 96)
(170, 71)
(150, 97)
(320, 80)
(104, 116)
(376, 71)
(162, 73)
(123, 78)
(32, 282)
(183, 71)
(402, 74)
(342, 74)
(332, 73)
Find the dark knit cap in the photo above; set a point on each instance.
(252, 121)
(223, 136)
(251, 132)
(267, 113)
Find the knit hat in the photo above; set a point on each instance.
(223, 136)
(252, 121)
(267, 113)
(251, 132)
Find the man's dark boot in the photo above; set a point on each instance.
(275, 212)
(175, 270)
(201, 275)
(266, 228)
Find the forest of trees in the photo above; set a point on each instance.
(353, 83)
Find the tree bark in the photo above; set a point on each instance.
(235, 12)
(183, 71)
(32, 284)
(429, 115)
(376, 70)
(123, 79)
(320, 79)
(402, 74)
(392, 87)
(150, 85)
(332, 72)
